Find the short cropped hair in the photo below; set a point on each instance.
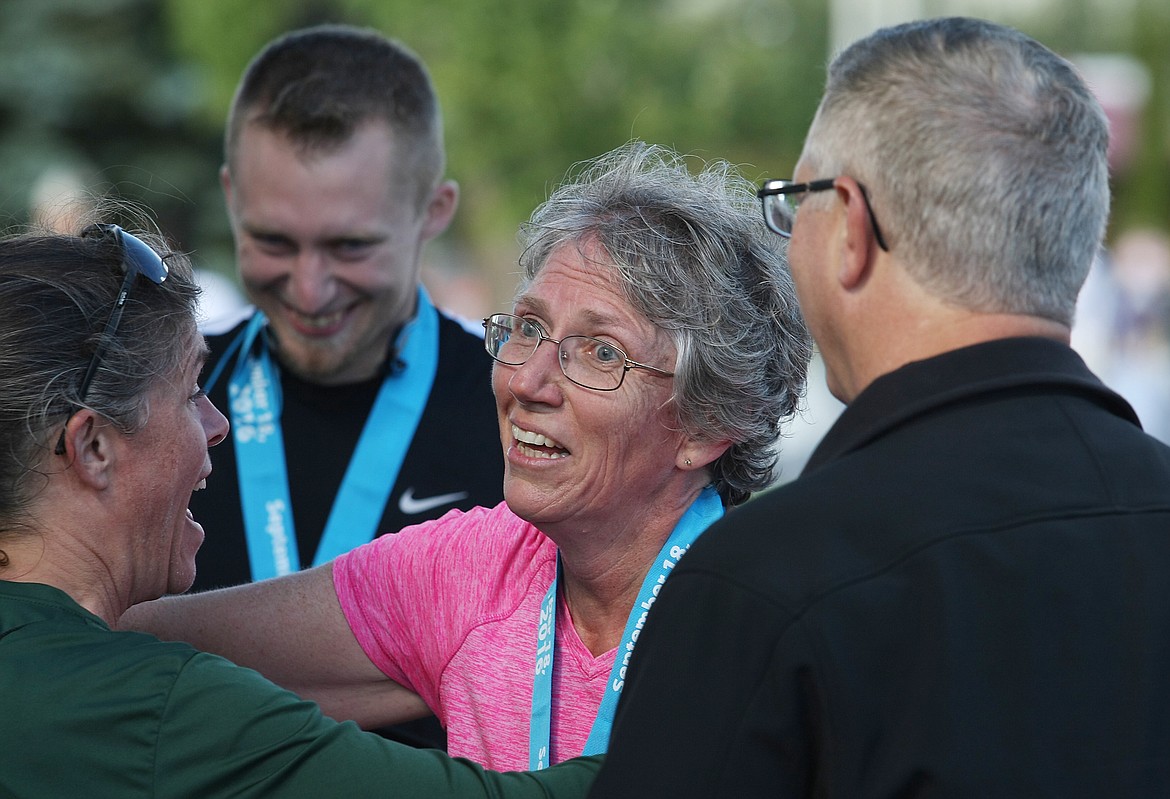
(694, 257)
(984, 157)
(318, 85)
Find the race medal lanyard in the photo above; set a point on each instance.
(254, 402)
(702, 513)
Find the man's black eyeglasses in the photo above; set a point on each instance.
(780, 200)
(136, 259)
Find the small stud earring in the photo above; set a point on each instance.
(687, 461)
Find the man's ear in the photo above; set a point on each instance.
(87, 447)
(440, 209)
(225, 181)
(861, 245)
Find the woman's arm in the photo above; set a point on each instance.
(292, 630)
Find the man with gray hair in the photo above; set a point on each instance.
(964, 594)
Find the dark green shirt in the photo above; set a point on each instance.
(88, 711)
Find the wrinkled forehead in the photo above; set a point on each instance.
(580, 270)
(580, 284)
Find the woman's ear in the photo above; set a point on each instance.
(88, 448)
(698, 454)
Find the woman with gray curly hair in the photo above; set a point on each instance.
(675, 352)
(688, 258)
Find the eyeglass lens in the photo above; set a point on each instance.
(780, 211)
(587, 361)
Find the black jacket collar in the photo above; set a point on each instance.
(981, 369)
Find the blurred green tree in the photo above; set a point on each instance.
(1143, 196)
(530, 87)
(130, 96)
(92, 97)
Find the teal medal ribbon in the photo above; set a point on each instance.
(703, 512)
(254, 404)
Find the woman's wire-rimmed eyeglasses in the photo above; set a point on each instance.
(780, 199)
(136, 259)
(588, 362)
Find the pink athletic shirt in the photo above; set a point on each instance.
(449, 609)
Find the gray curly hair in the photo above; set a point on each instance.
(693, 256)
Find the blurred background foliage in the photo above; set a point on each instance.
(128, 97)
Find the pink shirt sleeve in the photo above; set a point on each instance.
(449, 609)
(411, 597)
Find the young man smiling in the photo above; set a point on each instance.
(357, 408)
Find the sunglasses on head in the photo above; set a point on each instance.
(136, 259)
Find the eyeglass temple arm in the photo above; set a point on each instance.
(631, 364)
(108, 331)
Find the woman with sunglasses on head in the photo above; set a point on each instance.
(104, 435)
(641, 377)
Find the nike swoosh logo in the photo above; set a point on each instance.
(409, 505)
